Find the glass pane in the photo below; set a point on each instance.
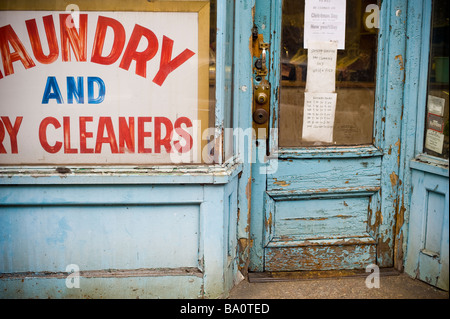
(228, 88)
(123, 83)
(224, 97)
(355, 77)
(437, 126)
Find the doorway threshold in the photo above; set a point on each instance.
(262, 277)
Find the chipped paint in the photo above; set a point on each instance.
(394, 180)
(384, 249)
(399, 145)
(398, 247)
(320, 257)
(269, 223)
(244, 245)
(248, 190)
(281, 183)
(317, 218)
(400, 61)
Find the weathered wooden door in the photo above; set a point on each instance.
(326, 174)
(427, 255)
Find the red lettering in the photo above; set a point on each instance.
(141, 58)
(9, 37)
(142, 135)
(70, 36)
(105, 122)
(126, 134)
(35, 40)
(166, 64)
(119, 41)
(67, 148)
(183, 134)
(168, 136)
(85, 135)
(12, 131)
(2, 137)
(43, 135)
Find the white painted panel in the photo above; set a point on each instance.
(56, 131)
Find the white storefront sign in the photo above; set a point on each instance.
(117, 88)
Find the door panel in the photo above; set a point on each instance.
(428, 253)
(355, 76)
(320, 257)
(323, 206)
(315, 230)
(324, 174)
(320, 218)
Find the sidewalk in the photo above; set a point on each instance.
(398, 286)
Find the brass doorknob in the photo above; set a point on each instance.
(261, 98)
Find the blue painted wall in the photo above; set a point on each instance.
(146, 239)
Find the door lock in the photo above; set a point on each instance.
(261, 88)
(260, 116)
(261, 108)
(259, 64)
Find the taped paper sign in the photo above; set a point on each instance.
(434, 141)
(436, 105)
(321, 75)
(318, 117)
(325, 22)
(436, 123)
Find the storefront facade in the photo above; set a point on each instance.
(168, 149)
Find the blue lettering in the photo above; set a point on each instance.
(74, 90)
(52, 91)
(101, 90)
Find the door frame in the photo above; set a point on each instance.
(389, 108)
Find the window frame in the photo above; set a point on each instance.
(219, 99)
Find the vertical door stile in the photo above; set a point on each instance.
(393, 85)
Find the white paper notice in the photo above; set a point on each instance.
(436, 105)
(325, 22)
(318, 117)
(321, 74)
(434, 141)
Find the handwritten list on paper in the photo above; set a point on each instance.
(318, 117)
(321, 72)
(325, 22)
(320, 98)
